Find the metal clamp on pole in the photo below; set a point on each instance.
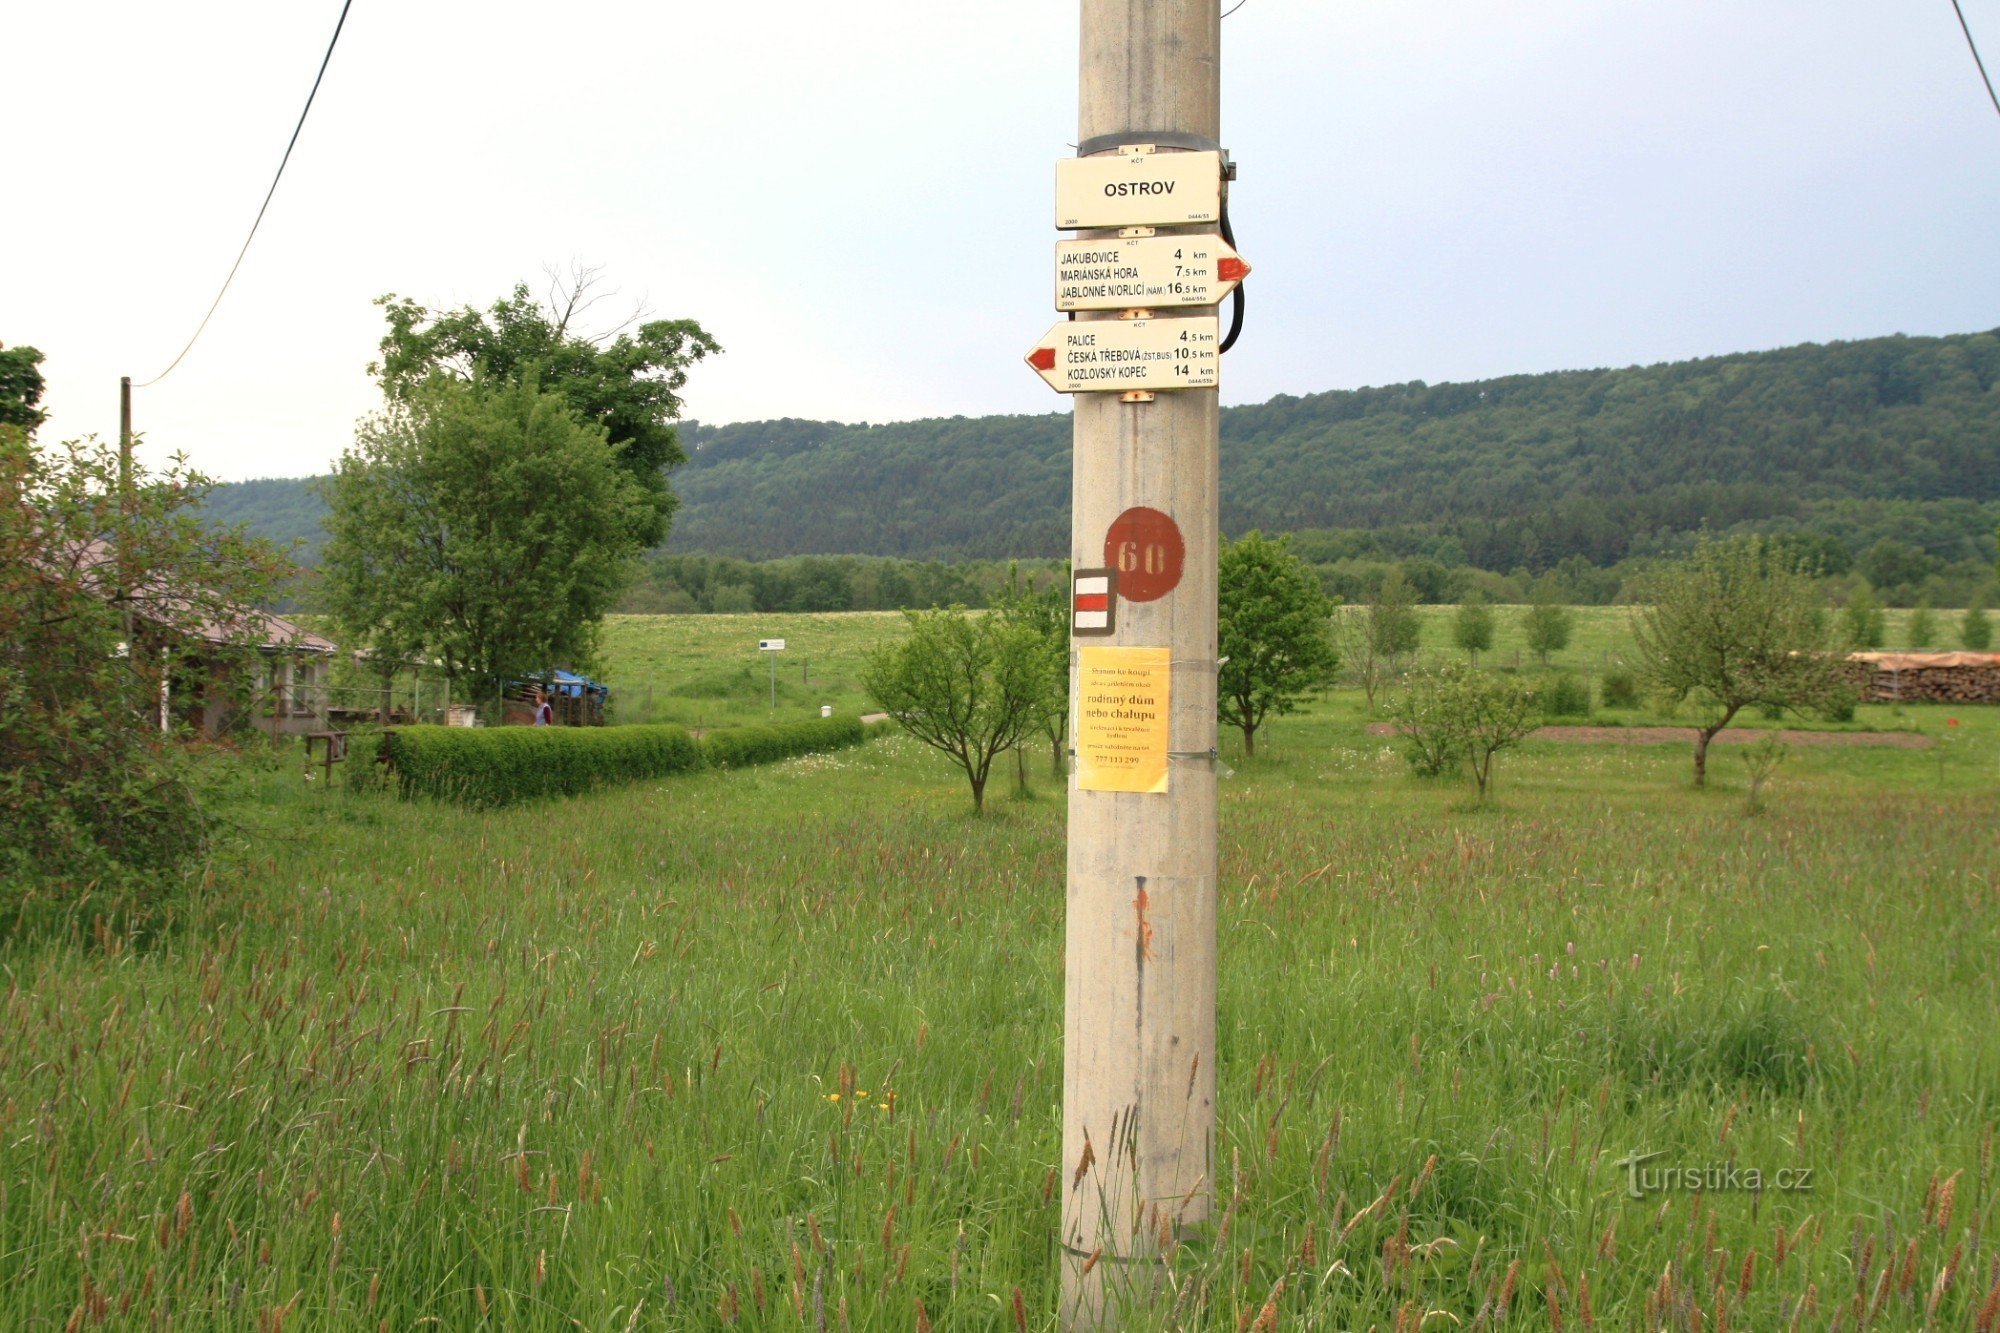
(1109, 143)
(1213, 756)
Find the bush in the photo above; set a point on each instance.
(103, 589)
(1618, 689)
(498, 766)
(1564, 695)
(739, 747)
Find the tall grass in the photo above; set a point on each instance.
(780, 1048)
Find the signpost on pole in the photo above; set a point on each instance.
(1129, 355)
(1147, 193)
(771, 648)
(1146, 270)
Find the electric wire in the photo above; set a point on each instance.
(1986, 78)
(268, 194)
(1233, 8)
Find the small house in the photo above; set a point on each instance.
(285, 692)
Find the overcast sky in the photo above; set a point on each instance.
(855, 199)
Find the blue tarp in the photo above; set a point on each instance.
(566, 683)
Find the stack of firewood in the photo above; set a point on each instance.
(1943, 678)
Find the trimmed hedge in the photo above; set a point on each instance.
(739, 747)
(500, 765)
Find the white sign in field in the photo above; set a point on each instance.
(1118, 355)
(771, 645)
(1138, 189)
(1141, 271)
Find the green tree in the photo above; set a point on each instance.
(1548, 622)
(1922, 630)
(627, 381)
(481, 522)
(1450, 714)
(1861, 620)
(1472, 627)
(20, 388)
(1736, 625)
(1043, 613)
(968, 685)
(99, 805)
(1273, 631)
(1393, 626)
(1975, 631)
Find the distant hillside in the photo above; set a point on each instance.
(1884, 437)
(284, 509)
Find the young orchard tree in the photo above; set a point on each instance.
(968, 685)
(1390, 631)
(1922, 630)
(1499, 712)
(483, 523)
(1356, 648)
(1975, 631)
(1472, 627)
(626, 379)
(1734, 625)
(1861, 620)
(1548, 622)
(1272, 629)
(1045, 614)
(1449, 714)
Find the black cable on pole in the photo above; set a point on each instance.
(1986, 78)
(293, 143)
(1236, 310)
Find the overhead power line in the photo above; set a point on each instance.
(1986, 78)
(293, 143)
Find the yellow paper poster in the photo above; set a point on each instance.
(1121, 719)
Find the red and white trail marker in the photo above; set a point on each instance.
(1093, 602)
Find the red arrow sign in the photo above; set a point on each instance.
(1043, 358)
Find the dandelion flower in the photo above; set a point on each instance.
(861, 1095)
(833, 1096)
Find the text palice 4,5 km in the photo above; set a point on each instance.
(1079, 356)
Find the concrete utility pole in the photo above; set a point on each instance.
(1139, 962)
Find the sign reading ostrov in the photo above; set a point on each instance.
(1138, 188)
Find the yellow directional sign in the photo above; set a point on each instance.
(1118, 355)
(1135, 272)
(1139, 188)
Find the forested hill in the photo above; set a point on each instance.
(1507, 472)
(1523, 469)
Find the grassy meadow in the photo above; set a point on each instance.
(781, 1048)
